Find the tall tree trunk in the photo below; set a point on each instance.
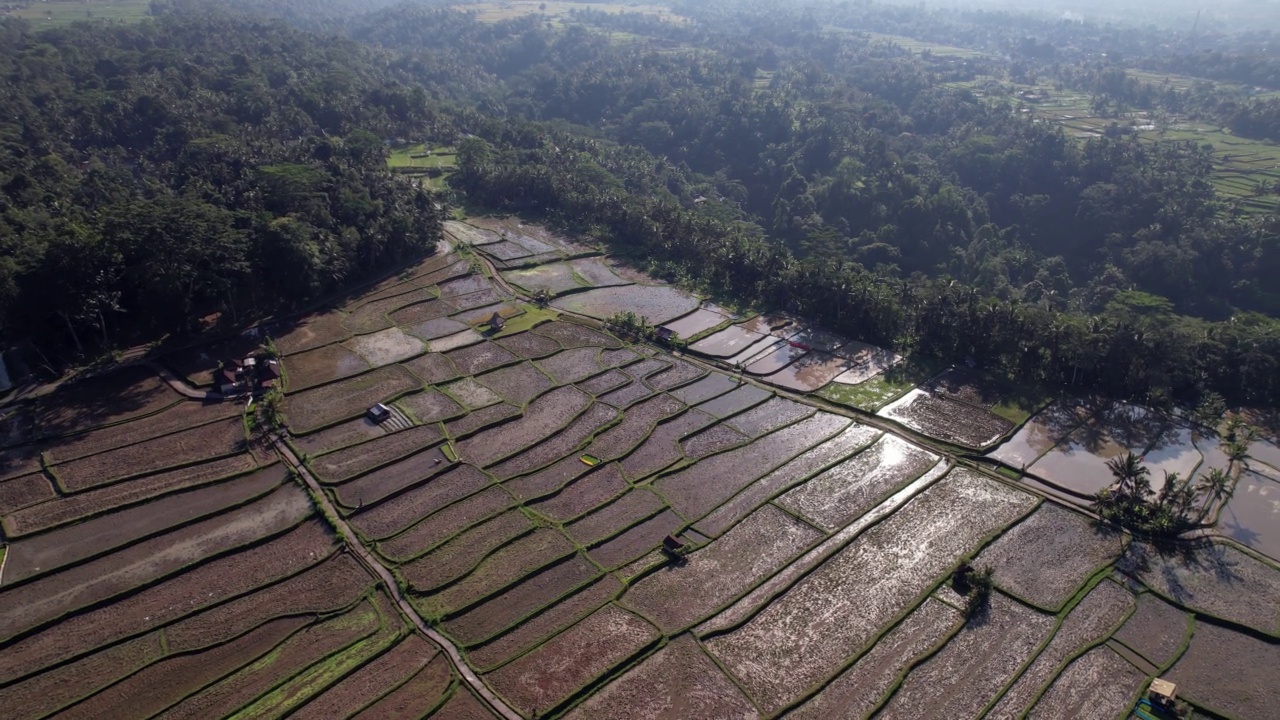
(71, 329)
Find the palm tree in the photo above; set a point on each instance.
(1237, 453)
(1131, 477)
(1215, 486)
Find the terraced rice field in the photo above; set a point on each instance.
(160, 560)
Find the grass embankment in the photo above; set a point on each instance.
(432, 164)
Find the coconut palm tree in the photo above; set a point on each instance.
(1237, 453)
(1131, 477)
(1215, 486)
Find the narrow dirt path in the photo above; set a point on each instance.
(379, 570)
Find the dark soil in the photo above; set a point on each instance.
(480, 357)
(1156, 630)
(521, 600)
(529, 345)
(423, 690)
(713, 385)
(481, 418)
(636, 425)
(463, 552)
(431, 407)
(24, 491)
(517, 384)
(446, 523)
(602, 384)
(322, 365)
(358, 459)
(504, 567)
(175, 418)
(662, 446)
(543, 625)
(376, 678)
(627, 510)
(404, 510)
(1229, 672)
(385, 482)
(583, 495)
(217, 439)
(636, 541)
(571, 335)
(562, 444)
(197, 588)
(432, 368)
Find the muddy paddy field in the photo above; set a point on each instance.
(163, 560)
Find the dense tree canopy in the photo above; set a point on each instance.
(215, 160)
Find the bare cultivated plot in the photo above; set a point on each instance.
(596, 272)
(736, 401)
(295, 655)
(386, 346)
(628, 395)
(553, 278)
(659, 304)
(769, 416)
(476, 316)
(1156, 631)
(687, 592)
(601, 384)
(947, 420)
(371, 681)
(176, 417)
(447, 522)
(336, 437)
(312, 332)
(206, 442)
(24, 607)
(529, 345)
(1099, 684)
(697, 490)
(313, 409)
(517, 384)
(722, 518)
(463, 552)
(406, 509)
(713, 385)
(465, 286)
(115, 397)
(544, 625)
(359, 459)
(463, 705)
(1052, 537)
(583, 495)
(712, 440)
(189, 592)
(284, 698)
(437, 328)
(24, 491)
(391, 479)
(570, 366)
(805, 634)
(322, 365)
(677, 681)
(974, 665)
(372, 317)
(635, 426)
(622, 513)
(504, 567)
(679, 373)
(483, 299)
(622, 356)
(1213, 578)
(856, 692)
(662, 446)
(480, 358)
(558, 446)
(1228, 672)
(541, 418)
(1088, 623)
(552, 673)
(471, 394)
(432, 368)
(46, 552)
(430, 407)
(636, 540)
(425, 689)
(419, 314)
(572, 335)
(855, 486)
(482, 418)
(456, 341)
(521, 600)
(170, 680)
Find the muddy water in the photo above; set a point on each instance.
(728, 342)
(1252, 517)
(1038, 435)
(811, 373)
(781, 357)
(1267, 452)
(695, 322)
(765, 346)
(1079, 463)
(1173, 452)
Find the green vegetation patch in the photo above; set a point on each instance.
(885, 387)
